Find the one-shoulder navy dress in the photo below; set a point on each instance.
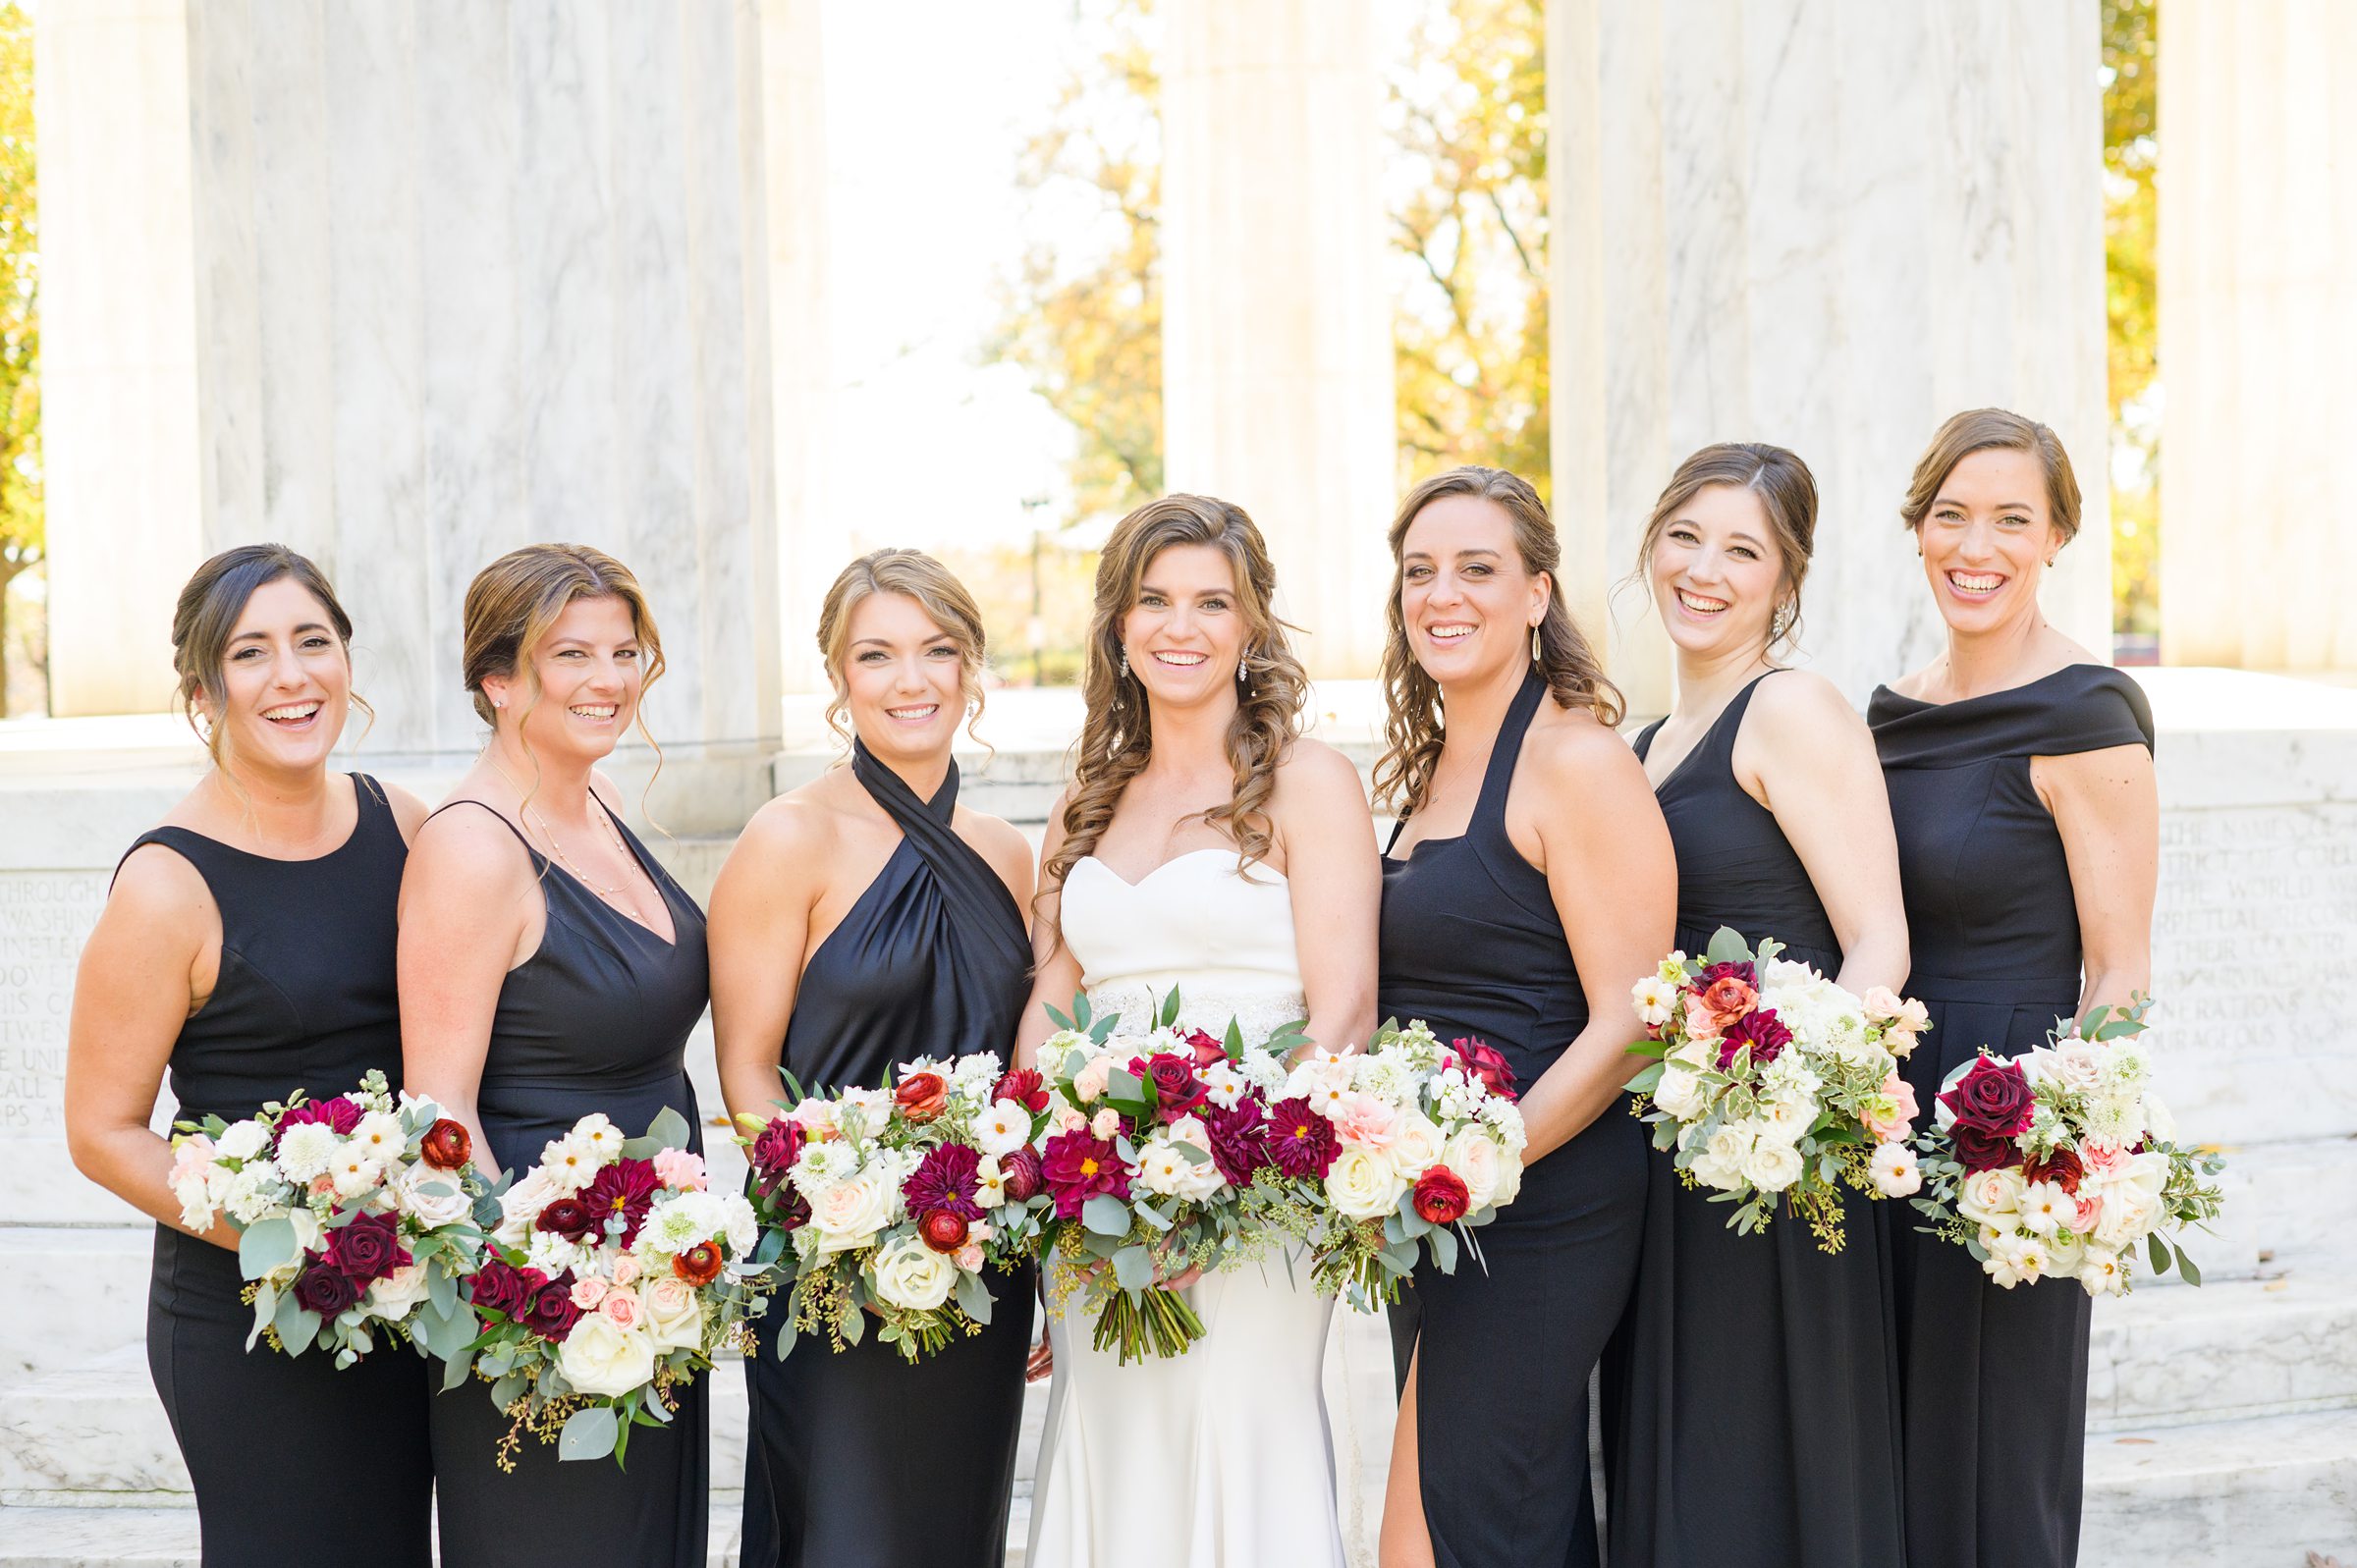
(858, 1456)
(305, 999)
(1993, 1381)
(1753, 1394)
(597, 1019)
(1472, 944)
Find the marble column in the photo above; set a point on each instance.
(464, 276)
(1277, 338)
(2258, 281)
(1827, 225)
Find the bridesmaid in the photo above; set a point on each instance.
(1528, 885)
(2020, 772)
(1775, 807)
(550, 968)
(248, 946)
(864, 919)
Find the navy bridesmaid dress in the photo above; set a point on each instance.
(1993, 1381)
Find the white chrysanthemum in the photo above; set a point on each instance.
(673, 1225)
(1264, 1072)
(739, 1225)
(1003, 1128)
(379, 1137)
(306, 1150)
(981, 1069)
(243, 1141)
(552, 1254)
(254, 1192)
(1387, 1077)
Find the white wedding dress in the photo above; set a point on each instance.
(1221, 1457)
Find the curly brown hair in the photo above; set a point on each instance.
(1413, 731)
(1117, 737)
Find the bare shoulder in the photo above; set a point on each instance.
(1573, 748)
(1315, 776)
(1913, 684)
(608, 793)
(999, 842)
(472, 843)
(409, 812)
(1801, 706)
(157, 889)
(799, 825)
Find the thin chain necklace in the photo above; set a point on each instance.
(619, 895)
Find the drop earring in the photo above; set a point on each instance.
(1244, 678)
(1538, 650)
(1124, 663)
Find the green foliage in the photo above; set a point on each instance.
(22, 533)
(2131, 299)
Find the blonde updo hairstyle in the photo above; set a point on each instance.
(1117, 737)
(1995, 429)
(1787, 496)
(937, 591)
(1415, 731)
(205, 618)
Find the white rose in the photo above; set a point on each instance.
(1680, 1093)
(2129, 1212)
(308, 1230)
(2147, 1174)
(909, 1273)
(675, 1318)
(1415, 1142)
(444, 1205)
(521, 1203)
(1773, 1164)
(1784, 1123)
(599, 1358)
(2159, 1122)
(397, 1295)
(1002, 1129)
(243, 1141)
(1989, 1198)
(1894, 1171)
(849, 1212)
(1363, 1184)
(1479, 1163)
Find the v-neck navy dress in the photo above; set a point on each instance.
(1753, 1391)
(1993, 1381)
(858, 1456)
(305, 999)
(1470, 942)
(597, 1019)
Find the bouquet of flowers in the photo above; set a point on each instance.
(355, 1216)
(1153, 1158)
(1407, 1144)
(1775, 1082)
(900, 1200)
(613, 1275)
(2062, 1159)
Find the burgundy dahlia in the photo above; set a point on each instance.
(339, 1114)
(1080, 1165)
(367, 1247)
(1762, 1031)
(1302, 1142)
(326, 1289)
(1239, 1141)
(551, 1313)
(1022, 1173)
(945, 1181)
(625, 1190)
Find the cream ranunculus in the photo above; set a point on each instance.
(2129, 1212)
(1773, 1164)
(848, 1214)
(1680, 1093)
(909, 1273)
(600, 1357)
(1478, 1161)
(447, 1205)
(1363, 1184)
(675, 1318)
(521, 1205)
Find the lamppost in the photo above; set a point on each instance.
(1037, 629)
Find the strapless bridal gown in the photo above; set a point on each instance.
(1220, 1458)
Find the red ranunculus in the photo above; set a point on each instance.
(1022, 1174)
(1082, 1166)
(945, 1180)
(1206, 1049)
(550, 1313)
(1441, 1195)
(1485, 1063)
(700, 1264)
(570, 1218)
(922, 1095)
(447, 1146)
(1024, 1087)
(326, 1289)
(504, 1288)
(944, 1230)
(1992, 1096)
(2061, 1167)
(1177, 1089)
(367, 1247)
(1301, 1143)
(625, 1190)
(1764, 1032)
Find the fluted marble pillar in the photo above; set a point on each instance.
(466, 274)
(1827, 224)
(1277, 338)
(2258, 280)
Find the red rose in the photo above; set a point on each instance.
(1177, 1089)
(551, 1314)
(367, 1247)
(326, 1289)
(1487, 1063)
(503, 1289)
(1441, 1195)
(699, 1265)
(568, 1217)
(2061, 1167)
(1995, 1097)
(1978, 1148)
(944, 1229)
(922, 1095)
(448, 1146)
(1207, 1050)
(1024, 1087)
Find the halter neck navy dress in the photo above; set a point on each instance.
(1753, 1391)
(597, 1019)
(932, 960)
(1471, 943)
(305, 999)
(1993, 1381)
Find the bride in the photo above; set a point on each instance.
(1198, 835)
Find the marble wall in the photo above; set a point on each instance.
(465, 277)
(2258, 296)
(1827, 225)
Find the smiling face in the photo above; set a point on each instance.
(1987, 539)
(286, 679)
(1718, 576)
(902, 678)
(590, 670)
(1184, 631)
(1467, 601)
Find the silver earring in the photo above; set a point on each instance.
(1243, 677)
(1782, 624)
(1124, 663)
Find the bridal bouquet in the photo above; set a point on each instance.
(1153, 1159)
(614, 1275)
(1412, 1144)
(900, 1201)
(1776, 1083)
(2062, 1159)
(355, 1215)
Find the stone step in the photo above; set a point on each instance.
(70, 1293)
(2230, 1350)
(2256, 1493)
(2286, 1210)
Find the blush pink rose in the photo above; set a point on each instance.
(1089, 1082)
(1067, 1119)
(625, 1270)
(588, 1292)
(1367, 1122)
(2099, 1159)
(1106, 1122)
(968, 1257)
(2087, 1208)
(676, 1167)
(623, 1307)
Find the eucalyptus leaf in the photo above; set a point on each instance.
(974, 1297)
(1726, 946)
(1646, 1078)
(295, 1326)
(590, 1434)
(852, 1324)
(1444, 1249)
(505, 1391)
(1133, 1267)
(455, 1372)
(267, 1244)
(669, 1130)
(2193, 1275)
(1106, 1214)
(2158, 1250)
(441, 1291)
